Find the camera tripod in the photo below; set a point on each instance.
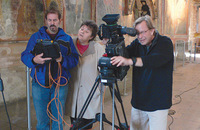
(111, 82)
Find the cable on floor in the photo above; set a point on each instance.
(172, 112)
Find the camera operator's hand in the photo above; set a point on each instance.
(121, 61)
(39, 60)
(105, 41)
(60, 58)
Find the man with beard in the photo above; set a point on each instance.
(48, 93)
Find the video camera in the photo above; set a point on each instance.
(114, 47)
(50, 48)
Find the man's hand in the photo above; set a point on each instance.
(121, 61)
(39, 60)
(60, 58)
(105, 41)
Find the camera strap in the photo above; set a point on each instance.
(47, 79)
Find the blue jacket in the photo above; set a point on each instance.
(152, 83)
(68, 61)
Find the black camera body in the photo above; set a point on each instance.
(114, 47)
(108, 71)
(113, 30)
(50, 48)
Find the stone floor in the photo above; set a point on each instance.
(183, 115)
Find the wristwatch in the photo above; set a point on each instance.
(134, 60)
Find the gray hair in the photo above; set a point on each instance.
(145, 18)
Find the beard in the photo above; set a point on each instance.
(53, 28)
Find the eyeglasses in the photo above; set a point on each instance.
(143, 32)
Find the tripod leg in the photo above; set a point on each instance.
(88, 100)
(94, 120)
(114, 108)
(105, 120)
(101, 111)
(121, 102)
(117, 94)
(112, 90)
(113, 105)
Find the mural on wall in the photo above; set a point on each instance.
(141, 8)
(145, 8)
(136, 11)
(60, 4)
(155, 6)
(176, 17)
(181, 19)
(19, 19)
(168, 25)
(107, 7)
(128, 9)
(76, 12)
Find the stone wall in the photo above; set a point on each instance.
(76, 13)
(19, 19)
(13, 71)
